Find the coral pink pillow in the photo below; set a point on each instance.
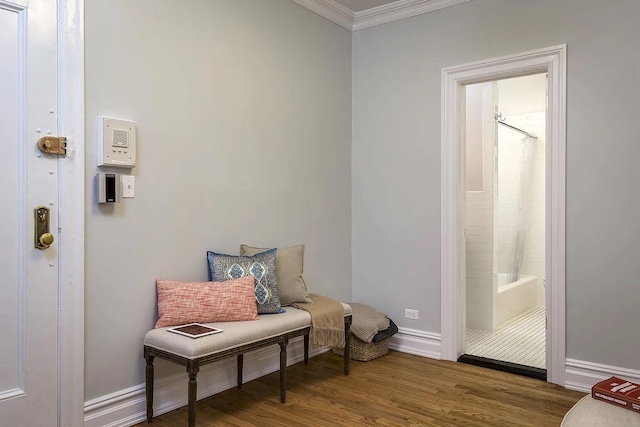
(205, 302)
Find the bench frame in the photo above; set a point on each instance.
(193, 365)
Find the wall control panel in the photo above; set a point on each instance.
(109, 187)
(116, 142)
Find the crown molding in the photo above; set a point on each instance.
(330, 10)
(395, 11)
(398, 10)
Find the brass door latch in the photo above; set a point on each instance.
(43, 238)
(53, 145)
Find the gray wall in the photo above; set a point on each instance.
(396, 158)
(243, 112)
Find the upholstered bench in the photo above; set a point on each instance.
(236, 339)
(589, 412)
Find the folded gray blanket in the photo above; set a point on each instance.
(367, 322)
(387, 333)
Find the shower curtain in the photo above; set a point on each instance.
(519, 239)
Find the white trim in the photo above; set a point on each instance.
(71, 209)
(581, 375)
(354, 21)
(14, 392)
(330, 10)
(23, 196)
(399, 10)
(552, 61)
(555, 251)
(128, 407)
(413, 341)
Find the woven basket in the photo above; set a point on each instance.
(363, 351)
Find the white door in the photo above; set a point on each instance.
(29, 276)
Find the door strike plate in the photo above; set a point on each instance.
(53, 145)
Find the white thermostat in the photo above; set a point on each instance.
(116, 142)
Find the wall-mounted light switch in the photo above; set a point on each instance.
(128, 186)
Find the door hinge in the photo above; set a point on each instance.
(53, 145)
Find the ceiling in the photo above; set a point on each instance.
(356, 15)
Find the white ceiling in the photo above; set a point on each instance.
(356, 15)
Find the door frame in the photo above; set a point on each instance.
(552, 61)
(71, 220)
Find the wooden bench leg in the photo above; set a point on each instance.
(149, 384)
(347, 344)
(193, 367)
(283, 369)
(306, 349)
(240, 363)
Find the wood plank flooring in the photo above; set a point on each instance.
(395, 390)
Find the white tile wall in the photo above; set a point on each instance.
(479, 227)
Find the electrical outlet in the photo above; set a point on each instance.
(411, 314)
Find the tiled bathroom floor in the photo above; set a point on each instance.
(522, 341)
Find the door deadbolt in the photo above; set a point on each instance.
(43, 238)
(53, 145)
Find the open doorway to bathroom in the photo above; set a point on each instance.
(505, 224)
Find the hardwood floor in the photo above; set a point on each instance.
(395, 390)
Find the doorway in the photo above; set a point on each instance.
(551, 61)
(42, 309)
(505, 224)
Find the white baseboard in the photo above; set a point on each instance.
(128, 407)
(413, 341)
(581, 375)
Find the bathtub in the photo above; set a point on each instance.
(514, 299)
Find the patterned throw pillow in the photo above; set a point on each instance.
(261, 266)
(205, 302)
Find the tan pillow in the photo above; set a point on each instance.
(289, 266)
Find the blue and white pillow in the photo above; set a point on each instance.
(261, 266)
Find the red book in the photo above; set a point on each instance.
(618, 392)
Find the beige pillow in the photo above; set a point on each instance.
(289, 266)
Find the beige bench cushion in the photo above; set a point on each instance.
(589, 412)
(235, 333)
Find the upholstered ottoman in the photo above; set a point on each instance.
(589, 412)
